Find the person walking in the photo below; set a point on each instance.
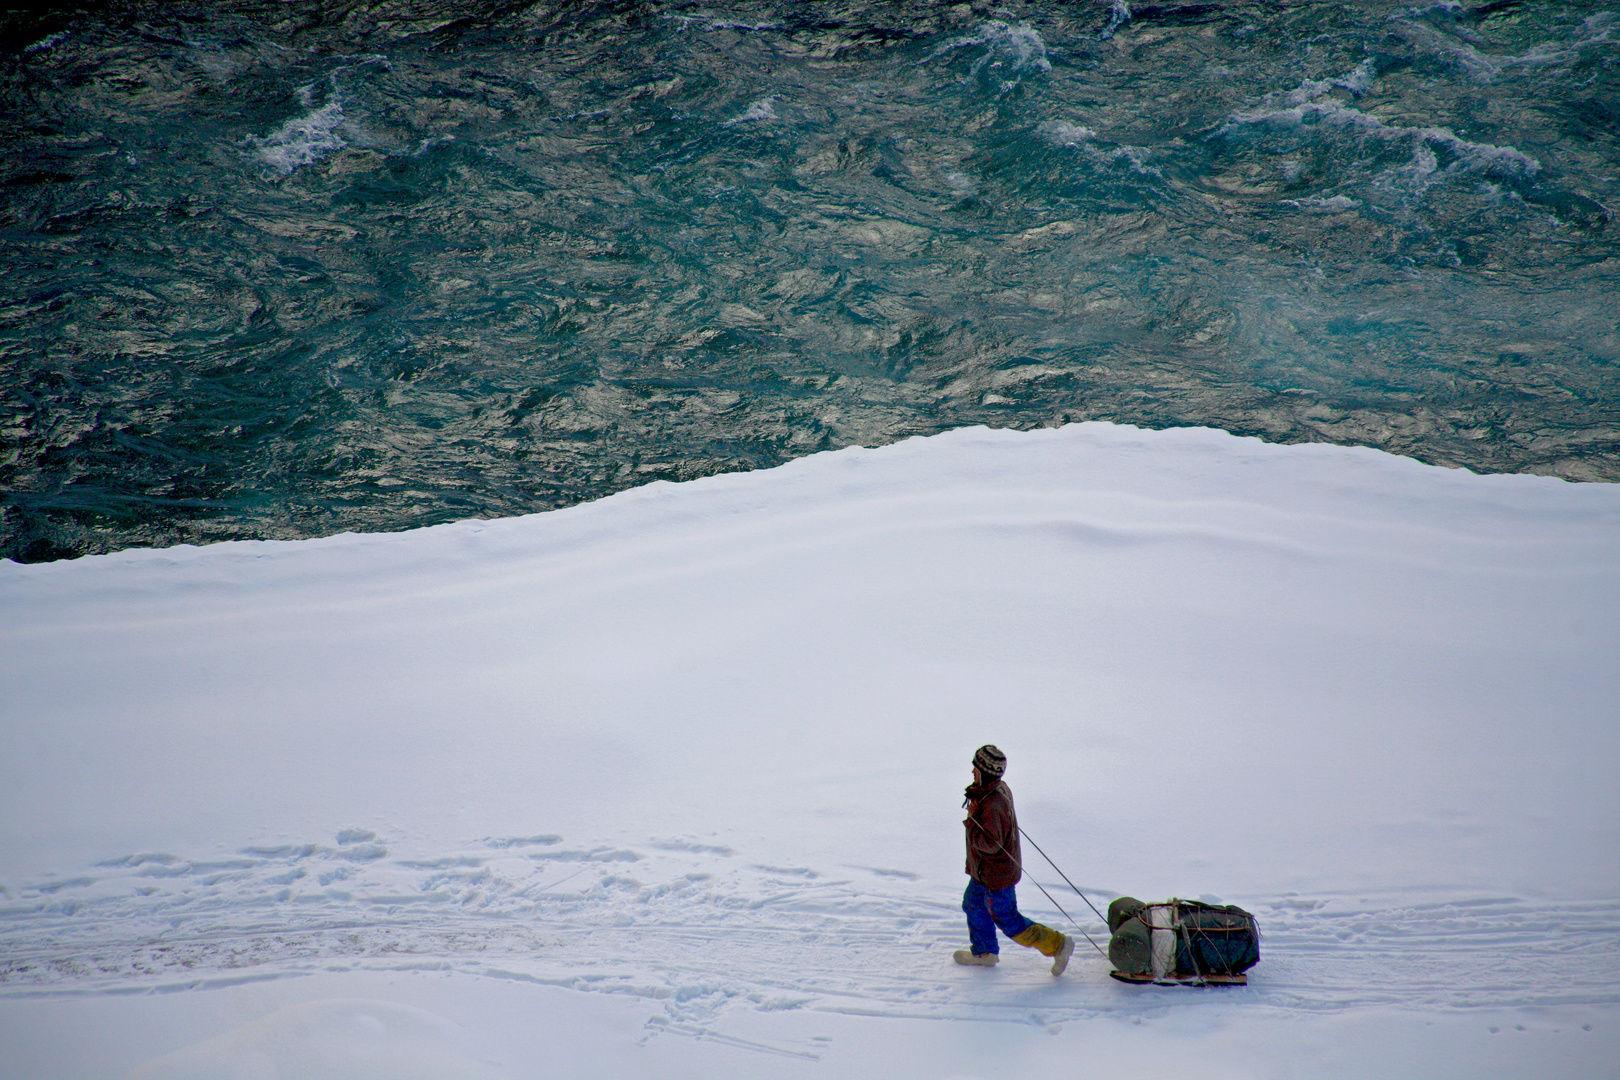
(994, 867)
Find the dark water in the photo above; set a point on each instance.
(285, 269)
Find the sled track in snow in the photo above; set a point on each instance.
(696, 929)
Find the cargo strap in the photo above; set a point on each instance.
(1203, 933)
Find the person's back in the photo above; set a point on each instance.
(994, 857)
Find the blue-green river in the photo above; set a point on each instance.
(286, 269)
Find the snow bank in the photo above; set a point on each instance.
(696, 751)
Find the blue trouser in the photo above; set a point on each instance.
(986, 910)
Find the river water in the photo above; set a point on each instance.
(285, 269)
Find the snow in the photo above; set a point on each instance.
(668, 784)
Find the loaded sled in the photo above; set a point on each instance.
(1182, 942)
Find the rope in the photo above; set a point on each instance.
(1186, 938)
(1064, 876)
(1041, 887)
(1202, 933)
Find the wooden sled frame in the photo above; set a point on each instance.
(1182, 980)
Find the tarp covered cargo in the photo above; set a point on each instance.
(1181, 941)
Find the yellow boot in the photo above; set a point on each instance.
(1050, 943)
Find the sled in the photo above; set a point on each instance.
(1181, 943)
(1182, 980)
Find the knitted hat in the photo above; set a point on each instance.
(990, 762)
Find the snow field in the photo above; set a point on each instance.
(694, 929)
(690, 757)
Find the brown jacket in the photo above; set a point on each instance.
(993, 855)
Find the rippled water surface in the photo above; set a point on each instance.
(286, 269)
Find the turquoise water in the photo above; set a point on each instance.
(289, 269)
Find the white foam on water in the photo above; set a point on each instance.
(1336, 204)
(708, 22)
(1077, 137)
(1119, 15)
(427, 145)
(1361, 78)
(1476, 65)
(303, 140)
(1066, 134)
(1133, 156)
(1417, 174)
(732, 24)
(759, 110)
(1307, 103)
(1483, 67)
(45, 43)
(1008, 50)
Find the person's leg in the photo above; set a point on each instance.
(1004, 907)
(1043, 938)
(1003, 904)
(981, 924)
